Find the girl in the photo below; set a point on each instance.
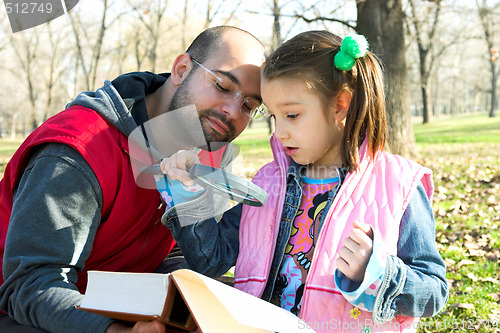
(346, 238)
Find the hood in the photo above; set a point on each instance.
(116, 99)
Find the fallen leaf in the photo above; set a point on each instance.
(449, 262)
(468, 306)
(465, 262)
(472, 277)
(476, 253)
(491, 199)
(442, 189)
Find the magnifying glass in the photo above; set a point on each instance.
(237, 188)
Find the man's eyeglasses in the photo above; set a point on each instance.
(250, 106)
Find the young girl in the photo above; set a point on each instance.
(346, 239)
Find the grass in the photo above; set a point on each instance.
(464, 154)
(7, 149)
(459, 129)
(254, 145)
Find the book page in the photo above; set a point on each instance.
(139, 293)
(209, 313)
(246, 309)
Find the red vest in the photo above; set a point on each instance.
(130, 236)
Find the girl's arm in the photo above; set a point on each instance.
(414, 283)
(209, 247)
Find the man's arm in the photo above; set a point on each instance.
(54, 219)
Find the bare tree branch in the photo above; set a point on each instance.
(155, 13)
(233, 12)
(348, 23)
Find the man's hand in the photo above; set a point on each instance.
(355, 254)
(176, 166)
(139, 327)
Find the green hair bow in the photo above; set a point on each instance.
(352, 48)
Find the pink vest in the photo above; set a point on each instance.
(379, 190)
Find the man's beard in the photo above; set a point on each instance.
(183, 98)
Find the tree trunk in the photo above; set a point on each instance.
(276, 25)
(494, 77)
(184, 26)
(425, 105)
(13, 126)
(381, 21)
(425, 49)
(98, 46)
(276, 41)
(424, 81)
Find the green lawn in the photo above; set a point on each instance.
(460, 129)
(7, 149)
(464, 154)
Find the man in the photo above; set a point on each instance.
(69, 201)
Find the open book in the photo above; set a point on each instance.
(185, 301)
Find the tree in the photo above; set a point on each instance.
(26, 48)
(276, 41)
(381, 21)
(150, 14)
(276, 25)
(55, 71)
(89, 67)
(184, 43)
(425, 49)
(319, 14)
(211, 12)
(488, 18)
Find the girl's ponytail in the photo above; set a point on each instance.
(366, 115)
(366, 118)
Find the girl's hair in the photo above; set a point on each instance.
(309, 56)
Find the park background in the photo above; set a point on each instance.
(441, 63)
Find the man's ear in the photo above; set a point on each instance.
(180, 69)
(342, 103)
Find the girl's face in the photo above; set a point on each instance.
(310, 131)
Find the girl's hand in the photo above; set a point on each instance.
(176, 166)
(355, 254)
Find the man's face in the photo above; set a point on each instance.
(209, 117)
(223, 115)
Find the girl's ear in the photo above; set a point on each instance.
(342, 103)
(181, 68)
